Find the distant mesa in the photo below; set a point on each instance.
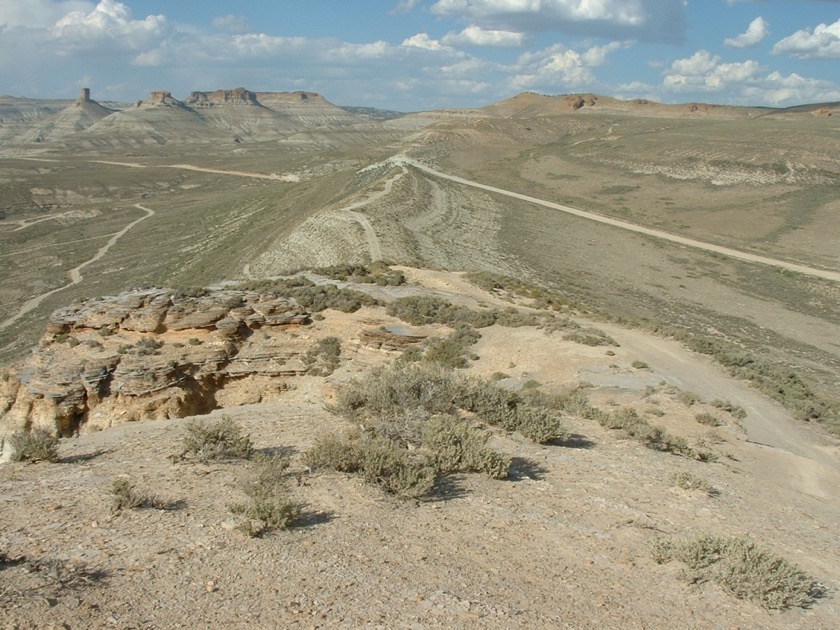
(159, 99)
(237, 96)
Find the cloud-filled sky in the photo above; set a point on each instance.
(412, 55)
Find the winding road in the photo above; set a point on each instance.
(374, 248)
(75, 274)
(815, 272)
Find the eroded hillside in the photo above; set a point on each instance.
(618, 452)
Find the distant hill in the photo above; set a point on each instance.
(531, 104)
(240, 115)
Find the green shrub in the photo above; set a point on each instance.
(377, 273)
(126, 496)
(379, 460)
(216, 440)
(269, 506)
(451, 350)
(326, 354)
(457, 446)
(708, 419)
(639, 365)
(687, 481)
(37, 445)
(734, 410)
(341, 453)
(395, 470)
(392, 389)
(429, 309)
(744, 569)
(310, 296)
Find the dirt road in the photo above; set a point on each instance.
(75, 273)
(632, 227)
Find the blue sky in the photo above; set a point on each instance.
(424, 54)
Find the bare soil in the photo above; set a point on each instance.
(565, 542)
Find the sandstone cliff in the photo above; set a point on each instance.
(153, 354)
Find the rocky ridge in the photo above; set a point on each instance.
(153, 354)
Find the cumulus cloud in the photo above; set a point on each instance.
(744, 82)
(758, 29)
(655, 20)
(422, 40)
(560, 67)
(477, 36)
(38, 13)
(109, 23)
(823, 42)
(232, 24)
(704, 72)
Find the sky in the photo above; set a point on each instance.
(412, 55)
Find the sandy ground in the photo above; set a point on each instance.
(564, 543)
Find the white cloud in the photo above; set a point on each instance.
(422, 40)
(705, 73)
(560, 67)
(744, 82)
(38, 13)
(758, 29)
(405, 6)
(232, 24)
(821, 43)
(778, 89)
(477, 36)
(111, 24)
(659, 20)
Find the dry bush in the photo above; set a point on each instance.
(745, 569)
(379, 460)
(735, 411)
(324, 357)
(269, 506)
(126, 496)
(37, 445)
(708, 419)
(216, 440)
(687, 481)
(457, 446)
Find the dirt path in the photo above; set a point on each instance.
(75, 274)
(370, 234)
(790, 451)
(632, 227)
(200, 169)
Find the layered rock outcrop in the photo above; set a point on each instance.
(152, 354)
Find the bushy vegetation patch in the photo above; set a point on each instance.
(451, 351)
(430, 309)
(542, 297)
(457, 446)
(777, 381)
(688, 481)
(631, 424)
(311, 296)
(417, 418)
(269, 506)
(376, 273)
(221, 439)
(744, 569)
(37, 445)
(434, 390)
(708, 419)
(735, 411)
(324, 357)
(380, 461)
(126, 496)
